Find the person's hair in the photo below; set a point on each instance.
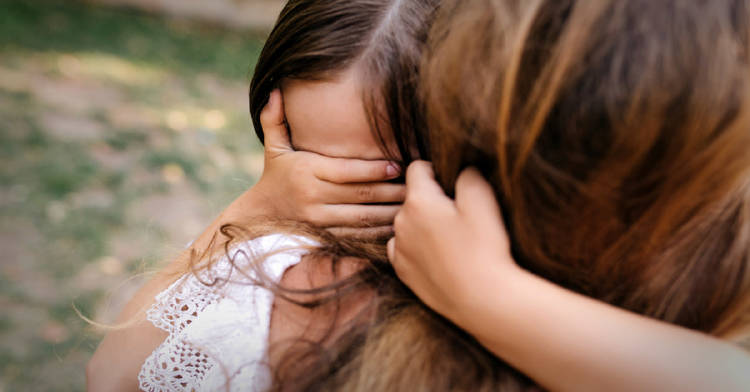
(617, 137)
(394, 342)
(614, 132)
(381, 39)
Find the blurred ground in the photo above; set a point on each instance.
(121, 136)
(237, 14)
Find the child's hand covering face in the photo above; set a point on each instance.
(328, 117)
(343, 195)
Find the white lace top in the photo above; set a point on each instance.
(218, 334)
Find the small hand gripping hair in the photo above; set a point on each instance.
(615, 134)
(397, 343)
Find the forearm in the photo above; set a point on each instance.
(568, 342)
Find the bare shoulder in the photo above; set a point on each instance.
(290, 321)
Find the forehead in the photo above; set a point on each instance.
(328, 117)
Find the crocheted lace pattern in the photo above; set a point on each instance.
(218, 321)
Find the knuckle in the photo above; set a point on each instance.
(365, 219)
(401, 193)
(310, 214)
(398, 222)
(310, 194)
(365, 193)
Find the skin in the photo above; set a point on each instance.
(335, 185)
(328, 118)
(334, 176)
(455, 254)
(317, 113)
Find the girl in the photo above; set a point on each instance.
(615, 136)
(335, 323)
(336, 63)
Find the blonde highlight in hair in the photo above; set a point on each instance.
(621, 133)
(615, 135)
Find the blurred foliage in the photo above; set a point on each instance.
(69, 26)
(121, 136)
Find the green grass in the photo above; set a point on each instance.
(70, 199)
(70, 26)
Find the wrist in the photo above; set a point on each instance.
(242, 211)
(494, 299)
(252, 204)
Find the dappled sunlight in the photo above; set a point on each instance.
(185, 118)
(123, 137)
(176, 120)
(214, 119)
(109, 68)
(173, 173)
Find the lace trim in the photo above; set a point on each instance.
(179, 369)
(217, 334)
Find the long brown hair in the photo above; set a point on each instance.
(395, 343)
(617, 136)
(384, 39)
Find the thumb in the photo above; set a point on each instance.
(275, 133)
(391, 250)
(475, 197)
(420, 177)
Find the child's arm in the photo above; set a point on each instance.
(295, 185)
(455, 256)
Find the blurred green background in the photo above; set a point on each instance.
(121, 135)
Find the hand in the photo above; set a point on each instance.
(452, 254)
(346, 196)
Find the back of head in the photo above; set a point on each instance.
(617, 137)
(615, 134)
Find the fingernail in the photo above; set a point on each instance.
(392, 170)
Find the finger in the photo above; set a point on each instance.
(398, 261)
(420, 177)
(391, 250)
(357, 215)
(363, 233)
(377, 192)
(343, 171)
(475, 197)
(275, 133)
